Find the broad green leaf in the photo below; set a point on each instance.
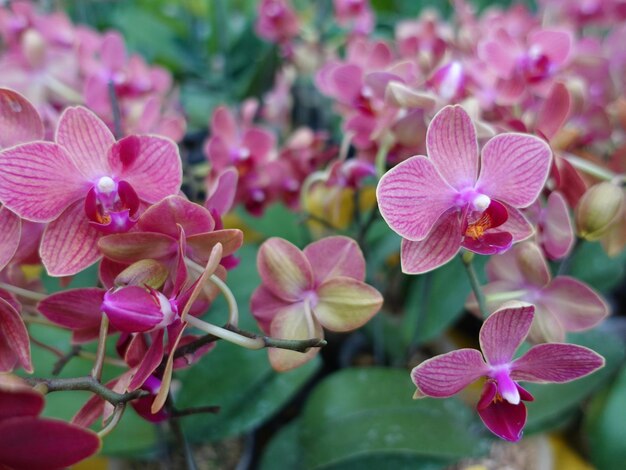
(553, 401)
(604, 426)
(369, 412)
(591, 264)
(276, 221)
(283, 451)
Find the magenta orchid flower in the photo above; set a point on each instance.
(455, 198)
(562, 304)
(30, 442)
(501, 405)
(85, 185)
(277, 21)
(14, 340)
(303, 291)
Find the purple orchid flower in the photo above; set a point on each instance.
(562, 304)
(501, 405)
(301, 292)
(454, 198)
(85, 185)
(30, 442)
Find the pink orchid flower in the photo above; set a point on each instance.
(555, 233)
(14, 339)
(30, 442)
(277, 21)
(85, 185)
(303, 291)
(501, 405)
(562, 304)
(455, 198)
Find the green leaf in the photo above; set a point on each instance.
(363, 413)
(283, 451)
(604, 426)
(277, 221)
(554, 401)
(592, 265)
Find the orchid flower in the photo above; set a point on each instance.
(453, 198)
(562, 304)
(85, 185)
(501, 405)
(303, 291)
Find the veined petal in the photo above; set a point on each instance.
(532, 264)
(504, 331)
(10, 232)
(292, 323)
(150, 164)
(557, 236)
(135, 246)
(504, 420)
(69, 243)
(335, 256)
(19, 120)
(516, 224)
(132, 309)
(150, 361)
(38, 181)
(439, 247)
(447, 374)
(576, 305)
(413, 196)
(176, 210)
(199, 246)
(87, 140)
(74, 308)
(514, 168)
(265, 306)
(58, 444)
(14, 332)
(345, 303)
(556, 362)
(453, 147)
(284, 269)
(546, 327)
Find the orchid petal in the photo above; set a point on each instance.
(260, 143)
(223, 124)
(413, 196)
(198, 246)
(514, 168)
(335, 256)
(165, 215)
(132, 309)
(135, 246)
(345, 304)
(516, 224)
(13, 331)
(554, 44)
(489, 243)
(265, 306)
(447, 374)
(20, 402)
(87, 140)
(284, 269)
(532, 264)
(19, 120)
(556, 363)
(576, 306)
(292, 323)
(558, 234)
(554, 111)
(10, 232)
(74, 308)
(113, 51)
(221, 195)
(441, 245)
(150, 164)
(504, 331)
(546, 327)
(150, 361)
(69, 243)
(453, 147)
(38, 181)
(504, 419)
(58, 444)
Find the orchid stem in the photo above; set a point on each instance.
(590, 168)
(29, 294)
(381, 156)
(96, 372)
(88, 384)
(115, 108)
(467, 258)
(253, 341)
(114, 421)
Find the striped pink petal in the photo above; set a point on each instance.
(19, 120)
(87, 140)
(150, 164)
(556, 362)
(14, 334)
(74, 308)
(514, 168)
(150, 361)
(69, 243)
(135, 246)
(504, 331)
(557, 236)
(265, 306)
(413, 196)
(284, 269)
(576, 305)
(453, 147)
(446, 375)
(164, 217)
(38, 181)
(10, 232)
(441, 245)
(335, 256)
(517, 225)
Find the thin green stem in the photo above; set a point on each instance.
(114, 421)
(29, 294)
(96, 372)
(233, 308)
(88, 384)
(385, 145)
(591, 168)
(467, 258)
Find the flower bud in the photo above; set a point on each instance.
(597, 209)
